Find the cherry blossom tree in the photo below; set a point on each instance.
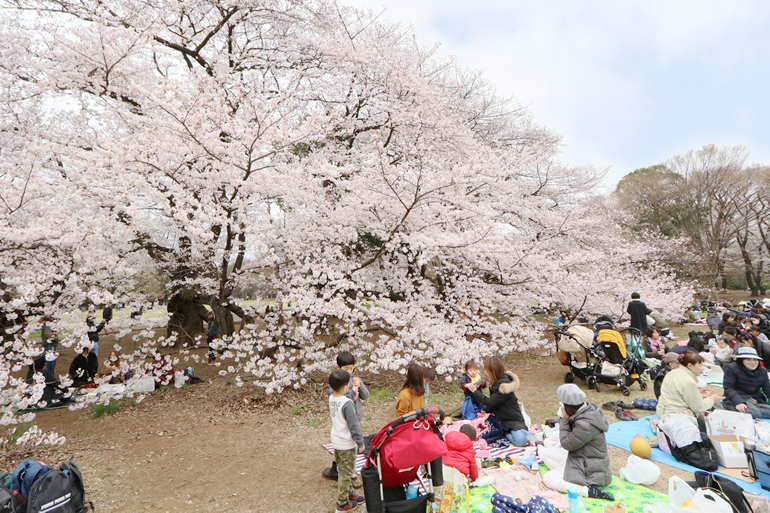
(404, 209)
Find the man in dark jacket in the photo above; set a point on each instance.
(744, 383)
(93, 333)
(669, 363)
(638, 312)
(54, 393)
(83, 368)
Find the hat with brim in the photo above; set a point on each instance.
(747, 353)
(670, 357)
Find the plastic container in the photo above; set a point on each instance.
(411, 492)
(573, 501)
(484, 481)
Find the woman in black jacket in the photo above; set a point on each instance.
(744, 382)
(502, 401)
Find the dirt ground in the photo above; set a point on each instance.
(217, 447)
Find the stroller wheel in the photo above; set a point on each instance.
(625, 390)
(592, 382)
(569, 378)
(643, 384)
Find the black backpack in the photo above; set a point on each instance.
(700, 455)
(8, 503)
(730, 491)
(58, 491)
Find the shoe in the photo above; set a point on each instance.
(595, 492)
(331, 472)
(625, 406)
(625, 415)
(357, 498)
(350, 506)
(356, 482)
(653, 441)
(611, 406)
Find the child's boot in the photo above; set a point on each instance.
(331, 472)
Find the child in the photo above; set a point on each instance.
(429, 376)
(582, 429)
(346, 437)
(460, 452)
(412, 395)
(357, 392)
(756, 331)
(472, 376)
(723, 353)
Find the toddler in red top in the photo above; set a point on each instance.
(460, 452)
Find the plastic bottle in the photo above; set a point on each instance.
(573, 500)
(411, 492)
(484, 481)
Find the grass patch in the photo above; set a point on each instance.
(380, 394)
(313, 422)
(104, 476)
(298, 409)
(100, 410)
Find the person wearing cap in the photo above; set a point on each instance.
(744, 383)
(93, 333)
(581, 433)
(670, 361)
(679, 393)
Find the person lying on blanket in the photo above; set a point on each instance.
(581, 434)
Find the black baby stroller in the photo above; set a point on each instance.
(398, 452)
(622, 364)
(575, 350)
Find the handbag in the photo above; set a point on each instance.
(726, 488)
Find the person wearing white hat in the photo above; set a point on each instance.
(582, 427)
(744, 382)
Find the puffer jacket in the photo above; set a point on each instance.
(588, 462)
(461, 454)
(503, 403)
(741, 384)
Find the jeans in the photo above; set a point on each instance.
(95, 350)
(518, 438)
(346, 468)
(753, 408)
(50, 365)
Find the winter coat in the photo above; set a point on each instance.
(713, 321)
(93, 331)
(503, 403)
(649, 352)
(658, 382)
(588, 462)
(460, 454)
(84, 368)
(741, 384)
(408, 401)
(680, 394)
(363, 395)
(213, 328)
(638, 312)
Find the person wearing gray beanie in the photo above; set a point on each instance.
(581, 434)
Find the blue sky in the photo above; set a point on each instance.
(629, 84)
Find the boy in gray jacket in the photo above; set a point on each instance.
(357, 392)
(346, 439)
(582, 434)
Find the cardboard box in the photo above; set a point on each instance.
(730, 451)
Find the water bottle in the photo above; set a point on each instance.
(411, 492)
(573, 500)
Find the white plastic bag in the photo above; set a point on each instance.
(141, 384)
(707, 501)
(527, 420)
(725, 422)
(682, 430)
(639, 471)
(679, 492)
(553, 458)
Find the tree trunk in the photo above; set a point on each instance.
(186, 319)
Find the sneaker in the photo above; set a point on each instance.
(595, 492)
(611, 406)
(356, 482)
(350, 506)
(357, 498)
(330, 473)
(625, 406)
(625, 415)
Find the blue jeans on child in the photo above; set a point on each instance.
(518, 437)
(50, 365)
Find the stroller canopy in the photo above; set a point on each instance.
(613, 337)
(582, 338)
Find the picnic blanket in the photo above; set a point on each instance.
(621, 433)
(634, 497)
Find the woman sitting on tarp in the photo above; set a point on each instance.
(744, 383)
(54, 392)
(679, 393)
